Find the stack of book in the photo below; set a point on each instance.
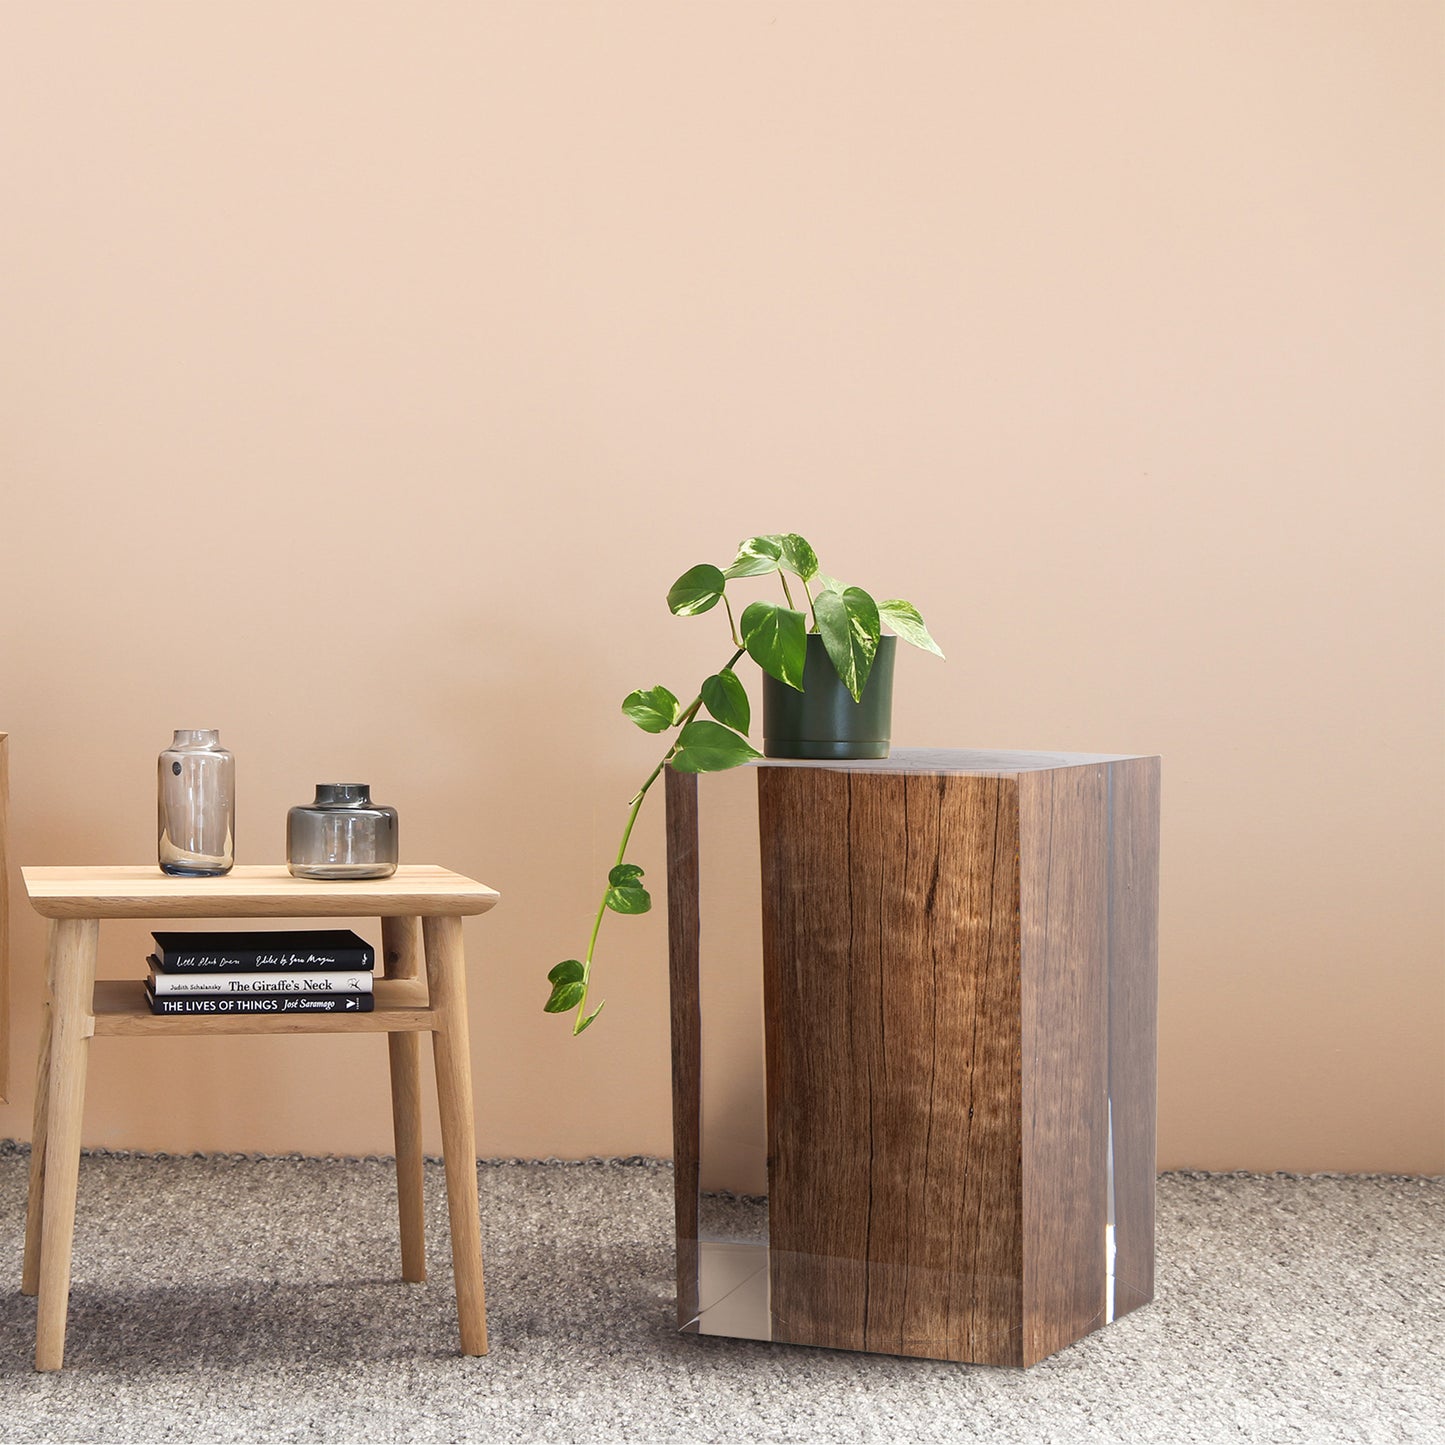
(308, 971)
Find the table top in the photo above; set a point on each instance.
(251, 891)
(958, 760)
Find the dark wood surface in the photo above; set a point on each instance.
(683, 936)
(1133, 1013)
(1064, 868)
(891, 998)
(987, 761)
(960, 968)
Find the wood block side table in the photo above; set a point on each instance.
(423, 990)
(959, 955)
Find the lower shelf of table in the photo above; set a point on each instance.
(121, 1010)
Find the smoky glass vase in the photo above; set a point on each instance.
(341, 834)
(196, 805)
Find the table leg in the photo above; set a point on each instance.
(72, 977)
(447, 985)
(402, 956)
(35, 1207)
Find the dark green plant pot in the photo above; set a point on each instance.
(823, 721)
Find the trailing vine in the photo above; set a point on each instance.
(775, 636)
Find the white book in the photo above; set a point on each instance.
(170, 985)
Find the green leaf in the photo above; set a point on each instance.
(696, 590)
(777, 640)
(827, 583)
(708, 747)
(653, 710)
(798, 556)
(849, 623)
(725, 697)
(569, 972)
(583, 1023)
(903, 617)
(757, 556)
(625, 893)
(564, 996)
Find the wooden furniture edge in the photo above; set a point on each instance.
(950, 762)
(1135, 824)
(684, 956)
(4, 919)
(402, 944)
(1092, 953)
(82, 893)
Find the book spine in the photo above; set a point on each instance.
(272, 1003)
(353, 960)
(168, 984)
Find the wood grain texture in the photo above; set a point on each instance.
(251, 891)
(447, 984)
(683, 951)
(959, 981)
(35, 1201)
(4, 918)
(71, 973)
(402, 959)
(1133, 1014)
(402, 955)
(891, 996)
(1064, 896)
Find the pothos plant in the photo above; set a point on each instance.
(775, 636)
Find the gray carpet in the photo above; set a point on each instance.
(252, 1299)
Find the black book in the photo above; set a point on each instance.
(307, 950)
(262, 1003)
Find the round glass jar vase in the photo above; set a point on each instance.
(341, 834)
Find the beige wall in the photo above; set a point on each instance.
(368, 372)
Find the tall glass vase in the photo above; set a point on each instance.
(196, 805)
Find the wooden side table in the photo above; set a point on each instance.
(420, 907)
(4, 921)
(959, 955)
